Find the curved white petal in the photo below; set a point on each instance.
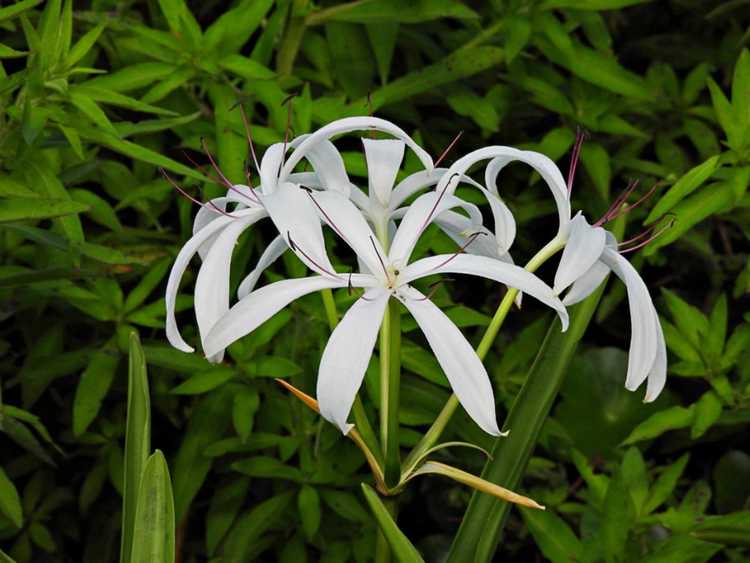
(212, 284)
(384, 157)
(349, 223)
(178, 269)
(329, 167)
(272, 252)
(501, 156)
(270, 165)
(414, 183)
(259, 306)
(505, 223)
(347, 355)
(459, 361)
(644, 335)
(461, 229)
(489, 268)
(586, 284)
(347, 125)
(417, 218)
(657, 377)
(295, 217)
(583, 249)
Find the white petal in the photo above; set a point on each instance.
(657, 377)
(414, 183)
(586, 284)
(270, 165)
(347, 355)
(504, 155)
(643, 330)
(459, 361)
(329, 167)
(259, 306)
(505, 223)
(583, 249)
(295, 216)
(272, 252)
(418, 216)
(460, 229)
(349, 223)
(489, 268)
(212, 284)
(347, 125)
(384, 158)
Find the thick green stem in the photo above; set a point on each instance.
(433, 433)
(390, 383)
(292, 38)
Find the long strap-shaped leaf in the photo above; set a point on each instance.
(482, 525)
(403, 550)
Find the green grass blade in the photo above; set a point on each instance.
(137, 444)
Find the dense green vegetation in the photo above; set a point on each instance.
(96, 96)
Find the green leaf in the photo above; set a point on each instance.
(729, 529)
(90, 109)
(233, 28)
(204, 382)
(98, 208)
(308, 504)
(42, 179)
(5, 558)
(93, 387)
(457, 66)
(707, 411)
(351, 57)
(10, 53)
(84, 45)
(481, 527)
(154, 534)
(268, 467)
(517, 33)
(684, 549)
(590, 4)
(741, 92)
(345, 505)
(10, 503)
(596, 162)
(133, 77)
(553, 536)
(686, 185)
(226, 503)
(714, 198)
(17, 8)
(717, 329)
(635, 477)
(252, 525)
(244, 406)
(208, 422)
(30, 209)
(402, 548)
(665, 484)
(725, 114)
(669, 419)
(137, 445)
(383, 37)
(387, 11)
(168, 85)
(114, 98)
(617, 518)
(246, 68)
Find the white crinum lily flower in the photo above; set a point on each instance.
(390, 274)
(216, 230)
(589, 255)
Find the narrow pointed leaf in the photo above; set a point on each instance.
(154, 533)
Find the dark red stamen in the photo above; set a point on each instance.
(575, 156)
(322, 211)
(433, 289)
(380, 259)
(650, 235)
(437, 202)
(210, 205)
(472, 238)
(448, 149)
(296, 248)
(249, 135)
(215, 166)
(254, 199)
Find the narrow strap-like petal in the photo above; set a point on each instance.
(270, 165)
(418, 217)
(413, 184)
(329, 167)
(586, 284)
(489, 268)
(347, 355)
(384, 158)
(643, 330)
(502, 156)
(212, 284)
(295, 217)
(459, 361)
(259, 306)
(461, 230)
(583, 249)
(348, 125)
(657, 377)
(349, 224)
(272, 252)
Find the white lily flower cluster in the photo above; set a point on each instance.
(382, 230)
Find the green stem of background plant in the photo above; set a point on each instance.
(435, 431)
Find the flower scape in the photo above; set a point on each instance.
(304, 189)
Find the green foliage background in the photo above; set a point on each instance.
(95, 96)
